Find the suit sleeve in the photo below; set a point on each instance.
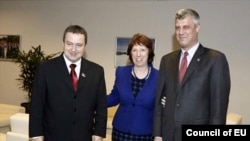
(37, 104)
(220, 89)
(113, 97)
(101, 108)
(157, 126)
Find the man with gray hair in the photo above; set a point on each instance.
(193, 85)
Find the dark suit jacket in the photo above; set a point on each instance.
(58, 112)
(202, 98)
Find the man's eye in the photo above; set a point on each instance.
(69, 44)
(79, 45)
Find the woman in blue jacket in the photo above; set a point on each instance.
(134, 90)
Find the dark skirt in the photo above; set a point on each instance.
(121, 136)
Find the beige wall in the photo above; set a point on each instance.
(224, 26)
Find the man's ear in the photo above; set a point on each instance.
(198, 27)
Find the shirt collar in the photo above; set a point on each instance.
(68, 62)
(192, 50)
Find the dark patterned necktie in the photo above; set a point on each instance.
(73, 76)
(183, 67)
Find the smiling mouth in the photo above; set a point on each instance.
(73, 53)
(138, 60)
(182, 38)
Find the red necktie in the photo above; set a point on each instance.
(183, 67)
(73, 76)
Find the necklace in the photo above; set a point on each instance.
(146, 77)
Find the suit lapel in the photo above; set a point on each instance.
(176, 67)
(194, 63)
(64, 70)
(83, 74)
(66, 75)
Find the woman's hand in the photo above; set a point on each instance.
(158, 139)
(163, 101)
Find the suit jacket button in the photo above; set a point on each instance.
(178, 105)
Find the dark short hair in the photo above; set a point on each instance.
(76, 29)
(141, 39)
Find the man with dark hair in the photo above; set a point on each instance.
(65, 108)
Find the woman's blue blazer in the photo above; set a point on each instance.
(134, 115)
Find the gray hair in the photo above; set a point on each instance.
(183, 13)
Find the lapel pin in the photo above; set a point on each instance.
(83, 75)
(198, 60)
